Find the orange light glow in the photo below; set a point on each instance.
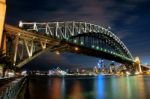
(55, 90)
(76, 92)
(57, 52)
(76, 48)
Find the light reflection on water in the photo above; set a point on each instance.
(76, 91)
(101, 87)
(55, 89)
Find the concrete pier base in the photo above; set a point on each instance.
(137, 65)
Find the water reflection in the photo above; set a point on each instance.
(121, 87)
(63, 89)
(141, 87)
(101, 87)
(76, 91)
(55, 88)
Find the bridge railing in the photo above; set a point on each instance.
(13, 89)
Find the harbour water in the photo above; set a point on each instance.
(100, 87)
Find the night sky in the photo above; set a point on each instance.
(128, 19)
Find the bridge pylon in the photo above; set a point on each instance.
(137, 65)
(2, 20)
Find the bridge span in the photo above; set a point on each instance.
(30, 40)
(33, 38)
(94, 42)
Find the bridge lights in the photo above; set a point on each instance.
(18, 34)
(97, 47)
(120, 55)
(72, 34)
(57, 53)
(107, 51)
(75, 41)
(116, 54)
(76, 48)
(93, 46)
(81, 43)
(67, 38)
(20, 24)
(127, 73)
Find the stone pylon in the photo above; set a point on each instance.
(137, 65)
(2, 20)
(110, 69)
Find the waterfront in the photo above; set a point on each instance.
(101, 87)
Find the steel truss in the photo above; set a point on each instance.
(23, 46)
(66, 30)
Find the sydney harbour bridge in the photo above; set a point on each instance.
(30, 39)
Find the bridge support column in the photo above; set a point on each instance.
(137, 65)
(43, 44)
(2, 18)
(15, 49)
(3, 42)
(29, 47)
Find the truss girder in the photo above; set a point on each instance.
(99, 40)
(24, 46)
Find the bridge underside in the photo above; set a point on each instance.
(69, 47)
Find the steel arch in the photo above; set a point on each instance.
(68, 29)
(100, 42)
